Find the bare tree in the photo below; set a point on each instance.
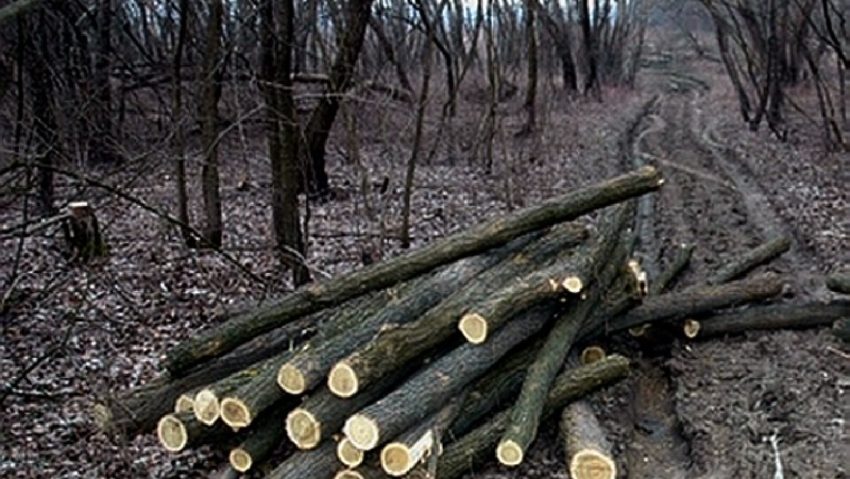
(211, 94)
(277, 39)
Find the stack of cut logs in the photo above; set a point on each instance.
(432, 362)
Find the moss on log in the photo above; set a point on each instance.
(749, 260)
(839, 282)
(588, 451)
(471, 449)
(399, 344)
(776, 316)
(432, 386)
(310, 365)
(314, 297)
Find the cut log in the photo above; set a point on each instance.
(314, 297)
(749, 260)
(777, 316)
(184, 403)
(138, 410)
(429, 389)
(425, 439)
(397, 345)
(349, 455)
(839, 283)
(841, 329)
(320, 462)
(691, 328)
(592, 354)
(468, 452)
(324, 413)
(309, 366)
(245, 403)
(698, 300)
(258, 446)
(207, 401)
(588, 451)
(607, 261)
(178, 431)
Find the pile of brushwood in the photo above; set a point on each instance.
(429, 363)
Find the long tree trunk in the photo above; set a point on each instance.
(210, 96)
(319, 127)
(177, 125)
(531, 87)
(102, 150)
(277, 37)
(44, 119)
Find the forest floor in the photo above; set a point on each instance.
(71, 333)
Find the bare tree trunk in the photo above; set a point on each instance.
(591, 81)
(277, 37)
(531, 91)
(322, 119)
(211, 94)
(420, 121)
(177, 124)
(44, 120)
(101, 148)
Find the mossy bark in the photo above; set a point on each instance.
(698, 300)
(397, 345)
(749, 260)
(777, 316)
(839, 283)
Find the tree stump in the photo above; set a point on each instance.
(83, 233)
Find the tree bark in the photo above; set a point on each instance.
(177, 125)
(321, 462)
(396, 346)
(841, 329)
(839, 283)
(210, 96)
(668, 275)
(102, 150)
(469, 451)
(277, 38)
(698, 300)
(777, 316)
(425, 392)
(258, 446)
(531, 87)
(319, 127)
(496, 232)
(749, 260)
